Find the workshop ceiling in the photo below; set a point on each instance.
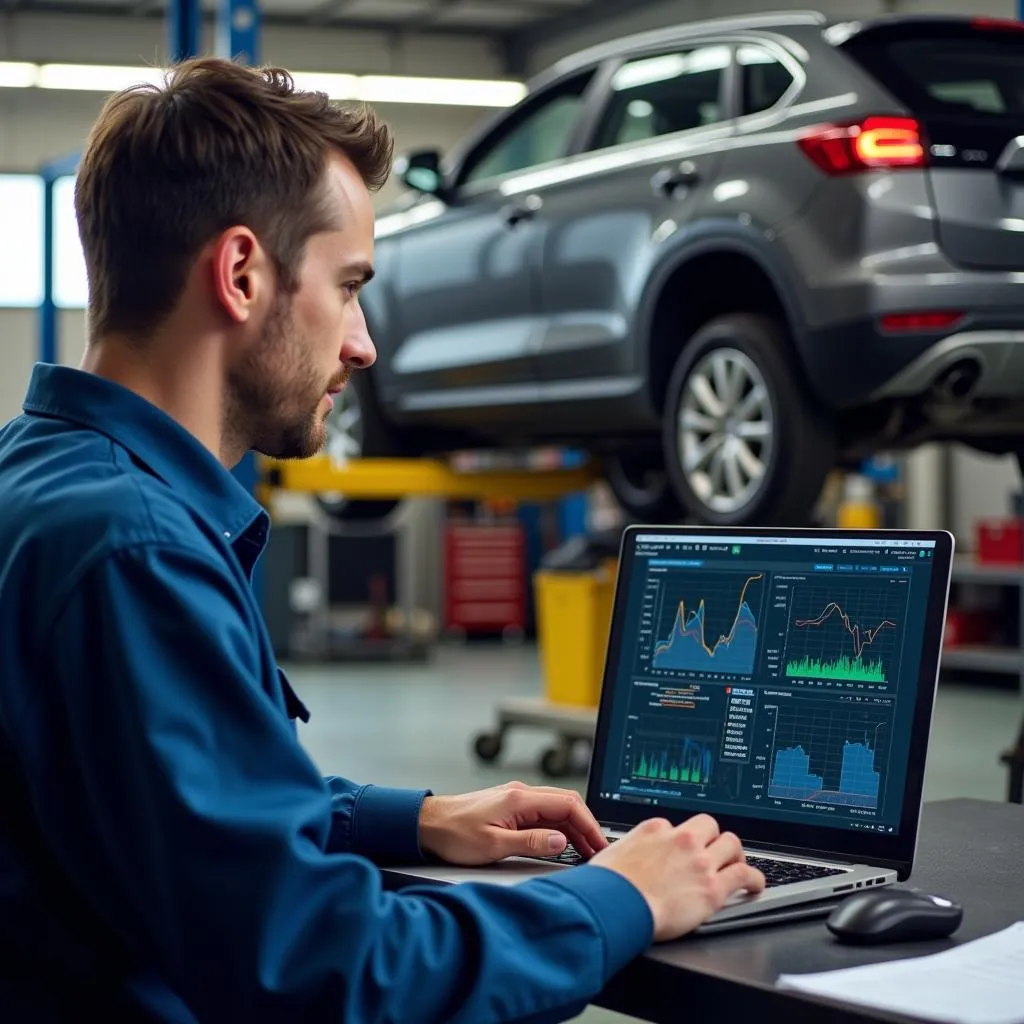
(515, 27)
(492, 18)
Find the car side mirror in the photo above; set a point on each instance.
(421, 171)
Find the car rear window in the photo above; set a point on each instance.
(975, 71)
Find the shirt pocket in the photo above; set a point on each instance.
(292, 704)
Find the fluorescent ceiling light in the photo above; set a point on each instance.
(96, 77)
(371, 88)
(461, 92)
(17, 76)
(338, 87)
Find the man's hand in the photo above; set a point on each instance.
(506, 821)
(684, 873)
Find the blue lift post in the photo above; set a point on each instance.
(238, 38)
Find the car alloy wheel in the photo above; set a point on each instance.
(726, 429)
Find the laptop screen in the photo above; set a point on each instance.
(769, 676)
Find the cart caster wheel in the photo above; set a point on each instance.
(487, 746)
(556, 762)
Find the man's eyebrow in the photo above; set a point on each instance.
(362, 269)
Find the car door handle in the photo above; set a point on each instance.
(668, 179)
(515, 213)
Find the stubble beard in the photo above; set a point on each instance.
(267, 392)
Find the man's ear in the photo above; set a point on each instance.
(241, 273)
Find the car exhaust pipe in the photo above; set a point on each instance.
(958, 382)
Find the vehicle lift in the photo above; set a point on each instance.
(397, 479)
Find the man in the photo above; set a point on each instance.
(167, 850)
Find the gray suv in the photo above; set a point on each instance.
(724, 258)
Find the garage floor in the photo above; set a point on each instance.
(412, 726)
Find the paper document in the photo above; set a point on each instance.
(980, 982)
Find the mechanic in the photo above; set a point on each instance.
(168, 851)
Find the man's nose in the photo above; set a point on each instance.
(358, 350)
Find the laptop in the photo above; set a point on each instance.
(781, 680)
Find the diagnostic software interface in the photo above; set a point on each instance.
(770, 677)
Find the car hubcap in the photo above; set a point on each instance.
(725, 430)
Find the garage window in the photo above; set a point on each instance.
(662, 94)
(21, 244)
(21, 240)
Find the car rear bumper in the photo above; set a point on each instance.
(975, 364)
(857, 363)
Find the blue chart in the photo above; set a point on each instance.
(831, 755)
(720, 634)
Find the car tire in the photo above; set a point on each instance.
(641, 487)
(356, 430)
(744, 441)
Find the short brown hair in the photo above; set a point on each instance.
(167, 167)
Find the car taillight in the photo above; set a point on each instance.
(875, 142)
(997, 24)
(895, 323)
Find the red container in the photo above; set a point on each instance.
(965, 628)
(1000, 540)
(485, 577)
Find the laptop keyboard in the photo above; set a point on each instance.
(786, 872)
(776, 872)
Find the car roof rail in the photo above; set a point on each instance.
(682, 30)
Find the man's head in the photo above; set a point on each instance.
(227, 199)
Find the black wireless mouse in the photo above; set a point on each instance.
(894, 915)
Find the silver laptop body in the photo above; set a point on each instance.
(782, 680)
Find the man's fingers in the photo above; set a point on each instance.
(702, 827)
(531, 842)
(739, 876)
(578, 839)
(726, 849)
(542, 805)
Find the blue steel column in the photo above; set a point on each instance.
(238, 30)
(238, 38)
(184, 20)
(49, 328)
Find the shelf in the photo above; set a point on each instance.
(967, 569)
(984, 658)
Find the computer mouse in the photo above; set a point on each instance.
(894, 915)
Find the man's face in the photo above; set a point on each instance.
(311, 340)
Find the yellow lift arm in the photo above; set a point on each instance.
(421, 478)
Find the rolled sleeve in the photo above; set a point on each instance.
(377, 822)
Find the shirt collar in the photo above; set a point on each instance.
(156, 440)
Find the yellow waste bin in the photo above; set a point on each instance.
(574, 610)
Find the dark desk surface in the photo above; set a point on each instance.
(969, 850)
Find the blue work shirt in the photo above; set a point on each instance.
(168, 851)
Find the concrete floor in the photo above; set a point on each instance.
(413, 726)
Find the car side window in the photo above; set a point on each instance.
(541, 134)
(765, 78)
(658, 95)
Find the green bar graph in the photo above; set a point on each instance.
(690, 763)
(843, 668)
